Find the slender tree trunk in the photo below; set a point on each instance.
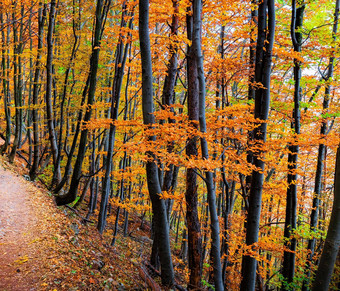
(121, 56)
(167, 101)
(17, 82)
(101, 12)
(35, 95)
(168, 96)
(193, 224)
(214, 222)
(320, 161)
(75, 47)
(68, 167)
(266, 22)
(227, 210)
(93, 200)
(128, 196)
(29, 111)
(288, 268)
(48, 95)
(251, 88)
(158, 205)
(6, 90)
(121, 197)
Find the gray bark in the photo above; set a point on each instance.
(332, 243)
(101, 12)
(214, 222)
(35, 95)
(320, 162)
(158, 205)
(266, 21)
(48, 96)
(288, 268)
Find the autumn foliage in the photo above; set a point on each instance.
(228, 39)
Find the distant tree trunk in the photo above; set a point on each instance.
(168, 96)
(35, 95)
(76, 43)
(120, 60)
(29, 111)
(167, 100)
(101, 12)
(332, 243)
(120, 196)
(320, 162)
(68, 167)
(17, 80)
(214, 222)
(93, 196)
(288, 266)
(5, 88)
(193, 224)
(251, 88)
(265, 40)
(252, 50)
(158, 205)
(227, 210)
(48, 95)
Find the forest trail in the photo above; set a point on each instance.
(25, 228)
(43, 247)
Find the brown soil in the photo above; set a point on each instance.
(43, 247)
(25, 229)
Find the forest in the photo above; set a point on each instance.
(213, 125)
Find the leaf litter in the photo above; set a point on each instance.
(42, 250)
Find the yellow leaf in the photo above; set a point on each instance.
(22, 260)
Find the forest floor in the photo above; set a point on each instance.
(45, 247)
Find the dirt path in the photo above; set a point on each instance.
(46, 248)
(25, 215)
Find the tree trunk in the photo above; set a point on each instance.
(332, 243)
(168, 100)
(35, 95)
(48, 95)
(76, 43)
(214, 222)
(101, 12)
(320, 161)
(266, 22)
(6, 89)
(251, 88)
(68, 167)
(193, 224)
(288, 266)
(158, 205)
(121, 55)
(17, 82)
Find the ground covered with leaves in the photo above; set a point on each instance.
(43, 247)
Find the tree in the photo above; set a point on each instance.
(35, 95)
(321, 158)
(332, 242)
(210, 153)
(264, 46)
(191, 194)
(158, 205)
(102, 9)
(288, 268)
(48, 95)
(5, 86)
(121, 55)
(209, 179)
(17, 78)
